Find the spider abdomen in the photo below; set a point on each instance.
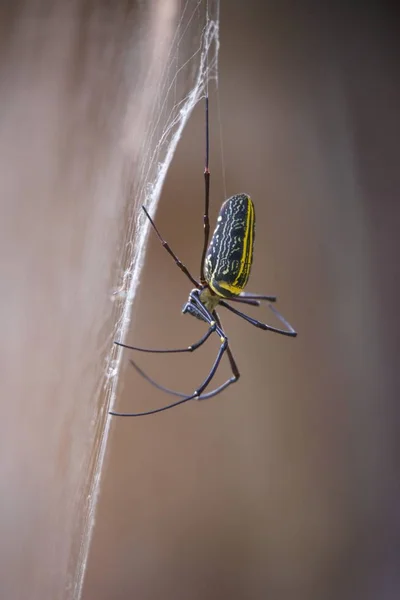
(230, 252)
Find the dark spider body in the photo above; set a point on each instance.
(224, 272)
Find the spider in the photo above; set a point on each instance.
(224, 272)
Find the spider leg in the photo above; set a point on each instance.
(170, 252)
(252, 299)
(233, 365)
(190, 348)
(219, 389)
(150, 412)
(210, 394)
(245, 295)
(196, 394)
(288, 331)
(206, 218)
(251, 302)
(154, 383)
(215, 325)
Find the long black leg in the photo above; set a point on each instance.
(190, 348)
(245, 301)
(288, 331)
(197, 305)
(251, 296)
(206, 218)
(244, 297)
(184, 399)
(150, 412)
(160, 387)
(182, 394)
(251, 299)
(196, 394)
(211, 394)
(232, 362)
(168, 249)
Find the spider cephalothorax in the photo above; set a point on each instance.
(206, 297)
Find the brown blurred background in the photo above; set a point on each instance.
(285, 486)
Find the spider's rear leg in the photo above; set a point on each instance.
(197, 394)
(289, 331)
(250, 296)
(252, 299)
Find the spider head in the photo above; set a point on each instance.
(191, 308)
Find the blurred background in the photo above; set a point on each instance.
(285, 486)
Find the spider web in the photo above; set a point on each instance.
(177, 59)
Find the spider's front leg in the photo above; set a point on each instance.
(197, 394)
(235, 371)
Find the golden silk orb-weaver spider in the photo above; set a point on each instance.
(224, 272)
